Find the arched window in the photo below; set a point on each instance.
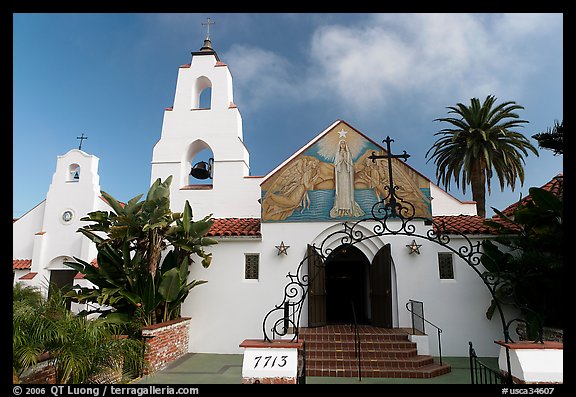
(73, 173)
(202, 93)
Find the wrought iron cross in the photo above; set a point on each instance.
(81, 139)
(390, 156)
(208, 23)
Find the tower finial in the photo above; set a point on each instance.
(207, 42)
(208, 23)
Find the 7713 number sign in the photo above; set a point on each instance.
(270, 361)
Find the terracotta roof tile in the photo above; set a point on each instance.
(464, 224)
(235, 227)
(28, 276)
(21, 264)
(555, 185)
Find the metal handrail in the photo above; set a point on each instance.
(438, 329)
(357, 351)
(480, 373)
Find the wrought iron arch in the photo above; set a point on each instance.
(389, 217)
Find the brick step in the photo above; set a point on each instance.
(385, 353)
(364, 345)
(365, 353)
(425, 372)
(383, 363)
(350, 337)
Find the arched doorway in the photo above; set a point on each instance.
(347, 279)
(346, 286)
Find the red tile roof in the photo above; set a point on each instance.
(21, 264)
(459, 224)
(28, 276)
(235, 227)
(464, 224)
(555, 185)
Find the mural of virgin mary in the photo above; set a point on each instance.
(344, 203)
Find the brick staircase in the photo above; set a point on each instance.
(385, 353)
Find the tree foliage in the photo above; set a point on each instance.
(480, 144)
(552, 138)
(79, 348)
(144, 255)
(526, 259)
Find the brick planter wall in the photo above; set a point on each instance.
(41, 373)
(45, 373)
(165, 343)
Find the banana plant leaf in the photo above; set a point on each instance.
(170, 285)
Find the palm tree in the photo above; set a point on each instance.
(78, 348)
(482, 142)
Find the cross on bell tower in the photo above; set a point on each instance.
(81, 138)
(207, 24)
(207, 42)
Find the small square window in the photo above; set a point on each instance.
(446, 266)
(251, 266)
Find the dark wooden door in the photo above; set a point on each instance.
(60, 279)
(380, 288)
(316, 289)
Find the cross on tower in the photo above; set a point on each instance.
(81, 139)
(208, 23)
(390, 156)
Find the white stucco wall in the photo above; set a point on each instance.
(186, 130)
(229, 309)
(444, 203)
(42, 236)
(24, 229)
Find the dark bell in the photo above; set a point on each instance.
(201, 170)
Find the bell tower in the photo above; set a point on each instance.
(201, 143)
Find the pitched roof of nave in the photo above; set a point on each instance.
(319, 137)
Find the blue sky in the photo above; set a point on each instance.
(110, 76)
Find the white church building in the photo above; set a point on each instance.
(270, 228)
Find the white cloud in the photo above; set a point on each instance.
(260, 75)
(389, 57)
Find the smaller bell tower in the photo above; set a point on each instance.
(201, 143)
